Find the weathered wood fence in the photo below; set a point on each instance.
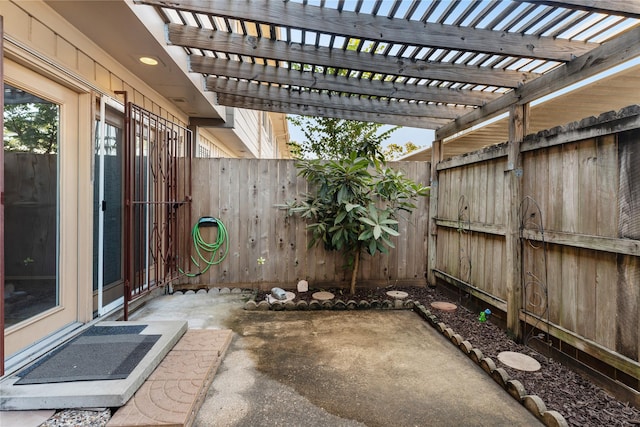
(569, 273)
(244, 194)
(579, 222)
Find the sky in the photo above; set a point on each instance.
(424, 137)
(420, 137)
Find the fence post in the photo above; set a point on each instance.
(436, 157)
(518, 122)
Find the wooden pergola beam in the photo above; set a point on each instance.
(328, 111)
(627, 8)
(320, 99)
(378, 88)
(236, 44)
(389, 30)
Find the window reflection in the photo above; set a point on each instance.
(31, 198)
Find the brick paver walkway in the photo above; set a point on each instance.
(175, 391)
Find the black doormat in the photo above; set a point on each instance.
(99, 353)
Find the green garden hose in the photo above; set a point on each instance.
(209, 253)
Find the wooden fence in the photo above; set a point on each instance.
(575, 252)
(244, 194)
(30, 218)
(579, 222)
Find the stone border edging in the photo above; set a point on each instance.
(533, 403)
(338, 305)
(207, 290)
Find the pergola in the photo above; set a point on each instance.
(447, 65)
(443, 65)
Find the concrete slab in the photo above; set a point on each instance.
(444, 306)
(89, 394)
(519, 361)
(326, 368)
(373, 368)
(320, 368)
(24, 418)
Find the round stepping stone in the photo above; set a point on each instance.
(323, 296)
(290, 296)
(519, 361)
(397, 294)
(444, 306)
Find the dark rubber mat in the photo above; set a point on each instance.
(99, 353)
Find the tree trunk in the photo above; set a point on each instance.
(354, 273)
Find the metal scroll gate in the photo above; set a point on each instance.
(157, 181)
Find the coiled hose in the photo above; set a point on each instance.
(208, 253)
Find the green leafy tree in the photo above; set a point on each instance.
(354, 205)
(331, 138)
(395, 151)
(31, 127)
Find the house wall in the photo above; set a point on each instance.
(38, 42)
(34, 26)
(209, 146)
(580, 239)
(248, 130)
(39, 37)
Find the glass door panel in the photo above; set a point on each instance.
(31, 193)
(41, 175)
(108, 214)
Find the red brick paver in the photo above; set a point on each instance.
(174, 392)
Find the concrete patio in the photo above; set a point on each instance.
(350, 368)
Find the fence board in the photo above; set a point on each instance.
(586, 184)
(244, 195)
(606, 188)
(231, 214)
(569, 194)
(491, 193)
(628, 306)
(606, 299)
(553, 211)
(586, 294)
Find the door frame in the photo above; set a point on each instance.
(74, 223)
(101, 308)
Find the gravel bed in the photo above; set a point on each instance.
(79, 417)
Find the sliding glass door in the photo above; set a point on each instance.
(41, 207)
(108, 214)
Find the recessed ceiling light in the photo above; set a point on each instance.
(148, 60)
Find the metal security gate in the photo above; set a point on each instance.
(157, 193)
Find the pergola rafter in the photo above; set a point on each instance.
(337, 100)
(333, 112)
(387, 30)
(444, 65)
(321, 81)
(295, 53)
